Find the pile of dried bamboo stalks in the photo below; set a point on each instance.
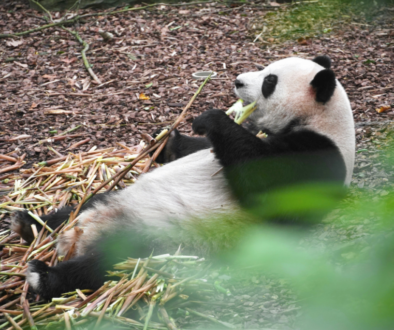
(130, 301)
(66, 181)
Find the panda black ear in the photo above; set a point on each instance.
(324, 84)
(323, 60)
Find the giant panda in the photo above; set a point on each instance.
(196, 199)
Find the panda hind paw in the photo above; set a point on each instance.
(37, 276)
(21, 223)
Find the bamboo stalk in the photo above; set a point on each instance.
(152, 305)
(11, 285)
(70, 252)
(67, 320)
(9, 238)
(8, 158)
(107, 302)
(169, 322)
(13, 167)
(81, 203)
(88, 309)
(53, 259)
(60, 159)
(132, 295)
(11, 303)
(5, 297)
(44, 255)
(12, 312)
(155, 155)
(24, 293)
(93, 295)
(225, 324)
(11, 320)
(80, 293)
(28, 315)
(12, 274)
(42, 223)
(76, 145)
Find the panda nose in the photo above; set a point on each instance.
(238, 83)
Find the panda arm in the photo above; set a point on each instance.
(253, 166)
(234, 144)
(231, 142)
(180, 145)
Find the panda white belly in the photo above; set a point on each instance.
(190, 189)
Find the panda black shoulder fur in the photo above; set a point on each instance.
(309, 122)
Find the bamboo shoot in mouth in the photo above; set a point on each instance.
(241, 112)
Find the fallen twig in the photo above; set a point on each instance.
(44, 9)
(59, 112)
(19, 137)
(83, 53)
(76, 145)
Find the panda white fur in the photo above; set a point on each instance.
(309, 122)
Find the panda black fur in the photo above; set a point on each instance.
(179, 146)
(308, 117)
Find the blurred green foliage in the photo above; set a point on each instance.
(352, 293)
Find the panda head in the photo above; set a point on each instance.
(288, 90)
(295, 93)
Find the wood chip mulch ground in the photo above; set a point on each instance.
(145, 72)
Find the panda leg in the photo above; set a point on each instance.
(83, 272)
(87, 271)
(21, 221)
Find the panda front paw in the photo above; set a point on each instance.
(209, 121)
(21, 223)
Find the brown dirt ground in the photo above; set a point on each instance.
(155, 52)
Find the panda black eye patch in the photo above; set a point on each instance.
(269, 85)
